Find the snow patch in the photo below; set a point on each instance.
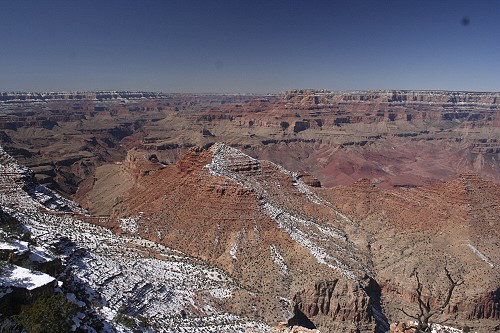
(233, 251)
(308, 238)
(129, 224)
(19, 277)
(278, 259)
(480, 255)
(20, 247)
(437, 328)
(221, 293)
(39, 254)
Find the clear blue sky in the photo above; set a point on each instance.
(249, 46)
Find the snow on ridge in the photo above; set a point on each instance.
(123, 274)
(19, 247)
(234, 248)
(233, 251)
(480, 255)
(112, 271)
(223, 157)
(291, 225)
(278, 259)
(307, 233)
(40, 254)
(129, 224)
(15, 177)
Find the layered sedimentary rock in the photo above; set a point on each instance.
(262, 224)
(418, 175)
(452, 224)
(277, 235)
(118, 283)
(328, 302)
(392, 137)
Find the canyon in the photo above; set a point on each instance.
(309, 207)
(395, 138)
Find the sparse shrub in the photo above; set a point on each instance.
(126, 320)
(51, 314)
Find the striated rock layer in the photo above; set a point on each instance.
(453, 224)
(262, 224)
(120, 283)
(395, 138)
(340, 258)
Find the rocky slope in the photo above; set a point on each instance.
(261, 224)
(120, 283)
(339, 258)
(453, 223)
(342, 257)
(223, 241)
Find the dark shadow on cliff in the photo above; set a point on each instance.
(300, 319)
(375, 292)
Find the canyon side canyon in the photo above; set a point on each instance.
(233, 213)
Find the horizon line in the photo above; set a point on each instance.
(321, 90)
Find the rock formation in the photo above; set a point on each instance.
(262, 224)
(415, 178)
(118, 283)
(395, 138)
(278, 236)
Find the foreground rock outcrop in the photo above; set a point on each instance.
(329, 302)
(118, 283)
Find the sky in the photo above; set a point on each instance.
(236, 46)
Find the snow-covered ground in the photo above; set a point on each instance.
(19, 247)
(437, 328)
(278, 260)
(19, 277)
(480, 255)
(40, 254)
(129, 224)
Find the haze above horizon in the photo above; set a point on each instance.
(249, 46)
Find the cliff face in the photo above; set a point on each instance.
(393, 96)
(259, 222)
(279, 236)
(329, 303)
(20, 97)
(392, 137)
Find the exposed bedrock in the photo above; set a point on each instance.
(394, 137)
(321, 248)
(341, 305)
